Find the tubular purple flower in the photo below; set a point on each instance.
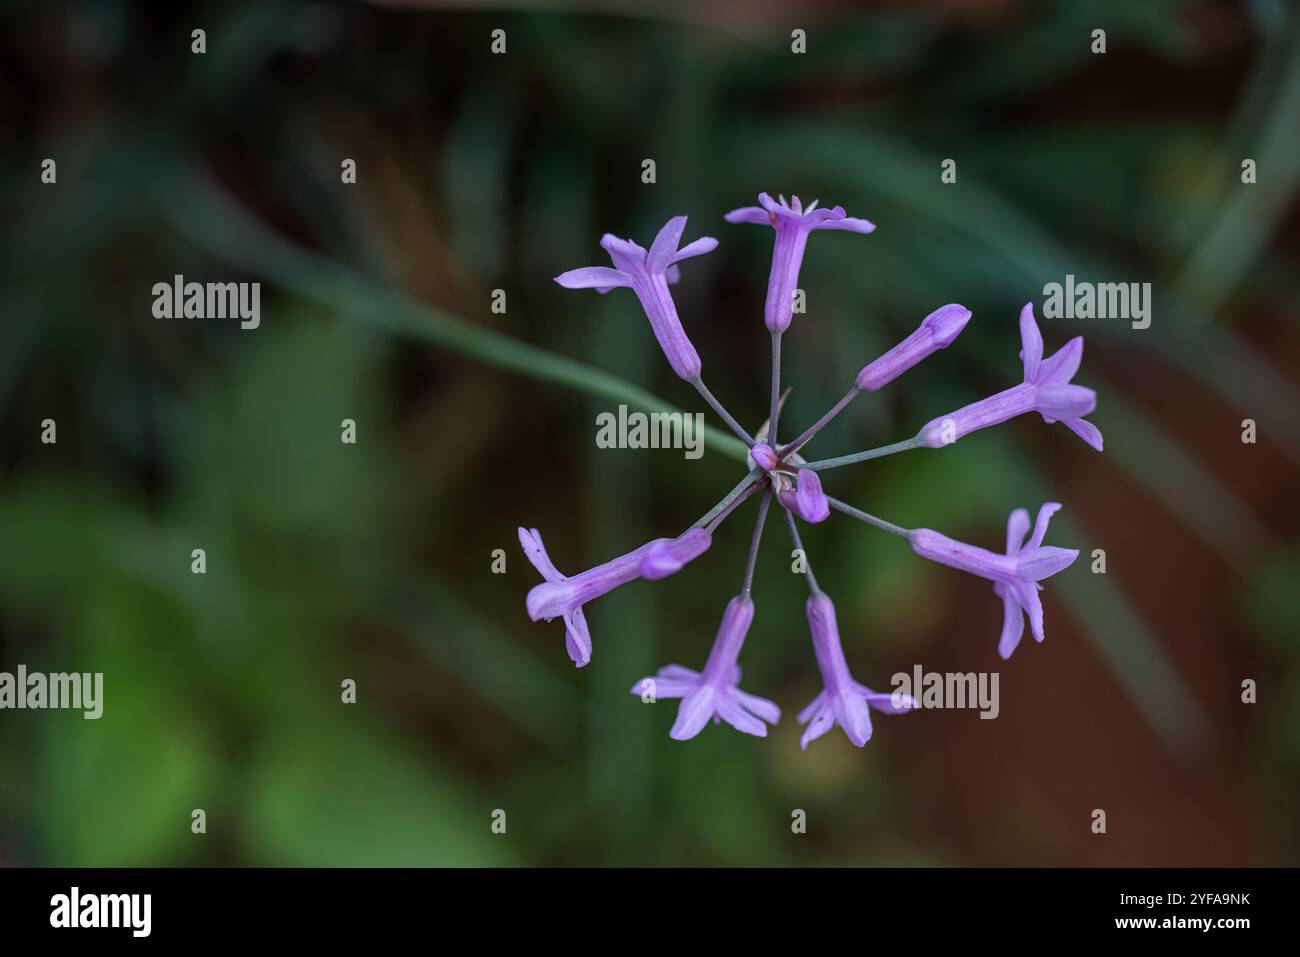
(792, 223)
(561, 596)
(1015, 575)
(842, 701)
(936, 331)
(648, 273)
(807, 500)
(666, 556)
(715, 692)
(1046, 389)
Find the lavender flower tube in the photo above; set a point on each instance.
(648, 273)
(562, 596)
(1015, 575)
(715, 692)
(1046, 389)
(842, 701)
(937, 330)
(792, 223)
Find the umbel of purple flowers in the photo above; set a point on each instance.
(778, 472)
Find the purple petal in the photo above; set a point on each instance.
(705, 244)
(1063, 364)
(577, 637)
(1031, 342)
(810, 499)
(1017, 528)
(730, 711)
(811, 708)
(665, 687)
(693, 714)
(767, 710)
(822, 721)
(854, 717)
(1045, 514)
(749, 214)
(678, 672)
(1027, 595)
(774, 207)
(1013, 624)
(617, 246)
(548, 600)
(1055, 402)
(849, 224)
(593, 277)
(1085, 430)
(1038, 563)
(885, 703)
(531, 540)
(665, 244)
(764, 456)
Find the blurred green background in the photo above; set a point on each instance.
(373, 562)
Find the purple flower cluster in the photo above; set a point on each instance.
(778, 472)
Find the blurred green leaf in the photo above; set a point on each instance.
(315, 801)
(229, 232)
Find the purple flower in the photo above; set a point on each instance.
(666, 556)
(714, 692)
(649, 273)
(1015, 575)
(806, 499)
(777, 471)
(843, 701)
(563, 596)
(792, 223)
(1047, 390)
(800, 493)
(764, 456)
(936, 331)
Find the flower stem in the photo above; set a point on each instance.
(774, 408)
(904, 446)
(731, 507)
(807, 565)
(857, 513)
(753, 544)
(817, 426)
(714, 404)
(753, 476)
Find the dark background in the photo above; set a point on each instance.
(372, 562)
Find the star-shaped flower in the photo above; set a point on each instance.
(1015, 575)
(793, 224)
(648, 273)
